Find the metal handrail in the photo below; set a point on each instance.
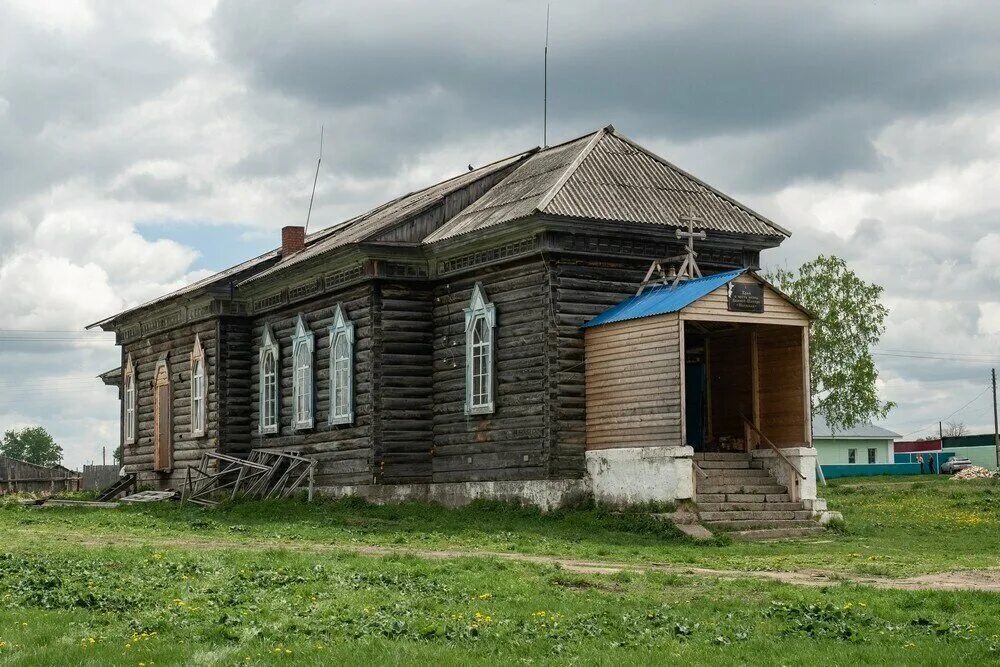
(772, 446)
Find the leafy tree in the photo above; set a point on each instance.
(32, 444)
(117, 455)
(850, 319)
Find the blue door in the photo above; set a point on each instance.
(694, 398)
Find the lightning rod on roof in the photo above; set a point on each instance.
(316, 177)
(545, 82)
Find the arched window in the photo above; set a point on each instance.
(480, 319)
(341, 368)
(129, 424)
(198, 389)
(269, 379)
(302, 376)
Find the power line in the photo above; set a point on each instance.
(922, 428)
(962, 359)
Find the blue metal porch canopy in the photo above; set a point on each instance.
(663, 299)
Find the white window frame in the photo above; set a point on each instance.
(199, 389)
(852, 453)
(269, 347)
(342, 329)
(303, 387)
(130, 389)
(480, 310)
(872, 455)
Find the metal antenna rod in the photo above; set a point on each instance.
(545, 82)
(316, 177)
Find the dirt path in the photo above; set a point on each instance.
(971, 580)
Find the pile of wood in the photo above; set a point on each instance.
(263, 474)
(975, 472)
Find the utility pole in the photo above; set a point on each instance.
(996, 424)
(940, 432)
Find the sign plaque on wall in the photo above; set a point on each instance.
(746, 297)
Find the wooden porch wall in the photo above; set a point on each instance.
(580, 290)
(782, 401)
(715, 307)
(634, 383)
(187, 449)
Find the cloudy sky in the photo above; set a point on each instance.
(144, 145)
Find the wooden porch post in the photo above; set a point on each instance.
(683, 359)
(754, 378)
(806, 389)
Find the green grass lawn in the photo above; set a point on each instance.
(896, 526)
(276, 583)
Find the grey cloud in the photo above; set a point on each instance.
(726, 69)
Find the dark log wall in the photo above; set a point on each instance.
(511, 442)
(345, 453)
(409, 377)
(187, 449)
(236, 351)
(404, 378)
(581, 290)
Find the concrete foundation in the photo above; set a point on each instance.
(546, 494)
(633, 475)
(803, 458)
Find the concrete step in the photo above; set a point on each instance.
(776, 533)
(757, 497)
(721, 456)
(746, 470)
(704, 497)
(755, 515)
(722, 506)
(710, 488)
(726, 464)
(736, 474)
(748, 524)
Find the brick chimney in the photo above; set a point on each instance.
(293, 239)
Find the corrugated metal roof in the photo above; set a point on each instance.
(621, 181)
(822, 430)
(520, 194)
(663, 299)
(377, 220)
(606, 176)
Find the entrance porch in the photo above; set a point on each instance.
(709, 381)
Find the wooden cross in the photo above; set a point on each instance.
(689, 266)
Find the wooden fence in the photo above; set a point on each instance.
(18, 476)
(96, 478)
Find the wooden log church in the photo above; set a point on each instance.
(468, 340)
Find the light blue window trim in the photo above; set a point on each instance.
(303, 395)
(130, 402)
(341, 368)
(199, 389)
(269, 382)
(480, 323)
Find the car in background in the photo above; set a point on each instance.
(954, 464)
